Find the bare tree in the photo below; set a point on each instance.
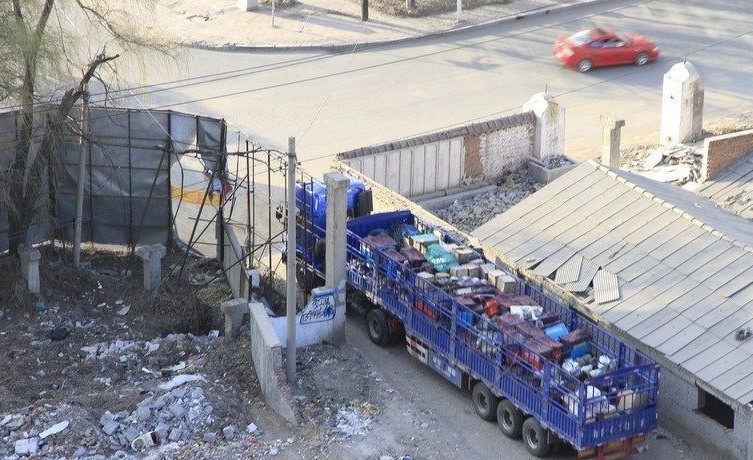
(49, 52)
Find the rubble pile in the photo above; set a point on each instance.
(678, 164)
(469, 214)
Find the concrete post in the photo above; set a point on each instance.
(610, 141)
(682, 105)
(549, 133)
(335, 255)
(152, 257)
(29, 257)
(247, 5)
(233, 310)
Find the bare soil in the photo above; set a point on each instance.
(49, 375)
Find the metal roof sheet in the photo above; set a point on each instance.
(554, 261)
(733, 188)
(587, 271)
(606, 287)
(679, 262)
(569, 271)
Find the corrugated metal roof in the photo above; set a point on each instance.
(553, 262)
(679, 262)
(733, 188)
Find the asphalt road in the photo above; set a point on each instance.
(332, 103)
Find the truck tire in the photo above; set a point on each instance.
(484, 402)
(376, 327)
(535, 438)
(509, 419)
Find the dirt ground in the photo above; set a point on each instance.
(94, 342)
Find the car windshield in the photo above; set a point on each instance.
(580, 38)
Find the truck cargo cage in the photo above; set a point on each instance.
(580, 382)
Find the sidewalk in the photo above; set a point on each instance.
(320, 24)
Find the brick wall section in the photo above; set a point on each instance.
(506, 150)
(473, 164)
(722, 151)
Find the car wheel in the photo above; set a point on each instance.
(641, 59)
(377, 328)
(584, 65)
(509, 419)
(484, 402)
(534, 437)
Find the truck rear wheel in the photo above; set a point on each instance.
(484, 402)
(376, 327)
(535, 438)
(509, 419)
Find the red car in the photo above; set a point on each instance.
(602, 47)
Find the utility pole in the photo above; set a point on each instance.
(290, 357)
(459, 8)
(364, 10)
(83, 153)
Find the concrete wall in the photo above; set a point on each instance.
(310, 331)
(266, 351)
(722, 151)
(232, 253)
(437, 162)
(678, 411)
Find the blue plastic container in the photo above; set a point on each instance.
(354, 189)
(556, 331)
(579, 350)
(465, 318)
(312, 196)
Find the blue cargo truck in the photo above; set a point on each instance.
(545, 373)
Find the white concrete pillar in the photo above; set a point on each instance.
(610, 141)
(247, 5)
(29, 257)
(152, 257)
(336, 251)
(682, 105)
(549, 134)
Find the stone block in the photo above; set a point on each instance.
(152, 257)
(234, 310)
(26, 446)
(110, 427)
(175, 434)
(29, 257)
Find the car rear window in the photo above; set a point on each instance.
(580, 38)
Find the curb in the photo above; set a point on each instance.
(350, 47)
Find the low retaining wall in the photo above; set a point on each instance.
(722, 151)
(266, 351)
(448, 159)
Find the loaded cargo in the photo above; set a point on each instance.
(544, 372)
